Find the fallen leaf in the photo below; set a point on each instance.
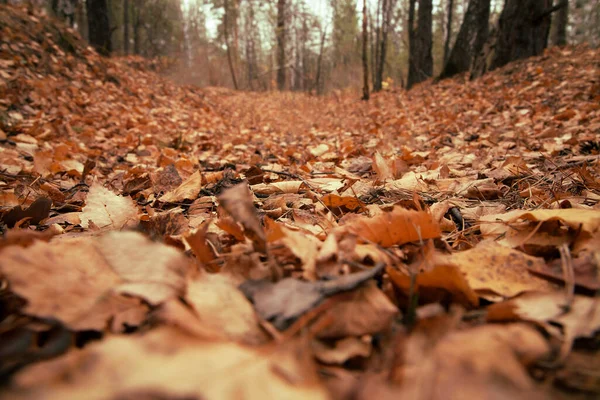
(188, 190)
(398, 226)
(282, 302)
(166, 363)
(365, 311)
(74, 280)
(106, 210)
(35, 213)
(494, 270)
(237, 201)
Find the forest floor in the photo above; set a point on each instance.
(169, 242)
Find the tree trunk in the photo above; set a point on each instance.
(318, 85)
(365, 60)
(559, 25)
(99, 26)
(388, 8)
(448, 31)
(523, 30)
(420, 43)
(227, 44)
(376, 31)
(126, 27)
(470, 40)
(280, 44)
(137, 24)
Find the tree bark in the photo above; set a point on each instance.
(137, 24)
(523, 30)
(365, 60)
(559, 24)
(470, 40)
(420, 43)
(318, 85)
(99, 26)
(448, 31)
(227, 44)
(280, 44)
(126, 27)
(387, 10)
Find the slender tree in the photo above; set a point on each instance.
(365, 61)
(318, 84)
(523, 30)
(470, 39)
(226, 14)
(126, 27)
(448, 30)
(388, 7)
(280, 33)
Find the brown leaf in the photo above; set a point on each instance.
(35, 213)
(75, 279)
(166, 363)
(398, 226)
(366, 311)
(494, 270)
(282, 302)
(106, 210)
(188, 190)
(237, 201)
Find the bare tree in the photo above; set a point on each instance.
(365, 61)
(226, 14)
(448, 30)
(387, 9)
(126, 27)
(280, 33)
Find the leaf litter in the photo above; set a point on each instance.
(167, 241)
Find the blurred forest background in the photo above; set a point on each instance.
(322, 45)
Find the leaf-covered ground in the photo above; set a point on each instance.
(167, 242)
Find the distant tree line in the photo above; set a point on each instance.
(290, 45)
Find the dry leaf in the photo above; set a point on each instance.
(74, 279)
(398, 226)
(188, 190)
(106, 210)
(167, 363)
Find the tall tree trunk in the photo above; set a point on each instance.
(99, 26)
(318, 84)
(412, 60)
(387, 10)
(227, 44)
(365, 60)
(375, 49)
(523, 30)
(559, 24)
(470, 40)
(421, 44)
(448, 31)
(137, 24)
(280, 44)
(80, 16)
(126, 27)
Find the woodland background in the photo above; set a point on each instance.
(302, 45)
